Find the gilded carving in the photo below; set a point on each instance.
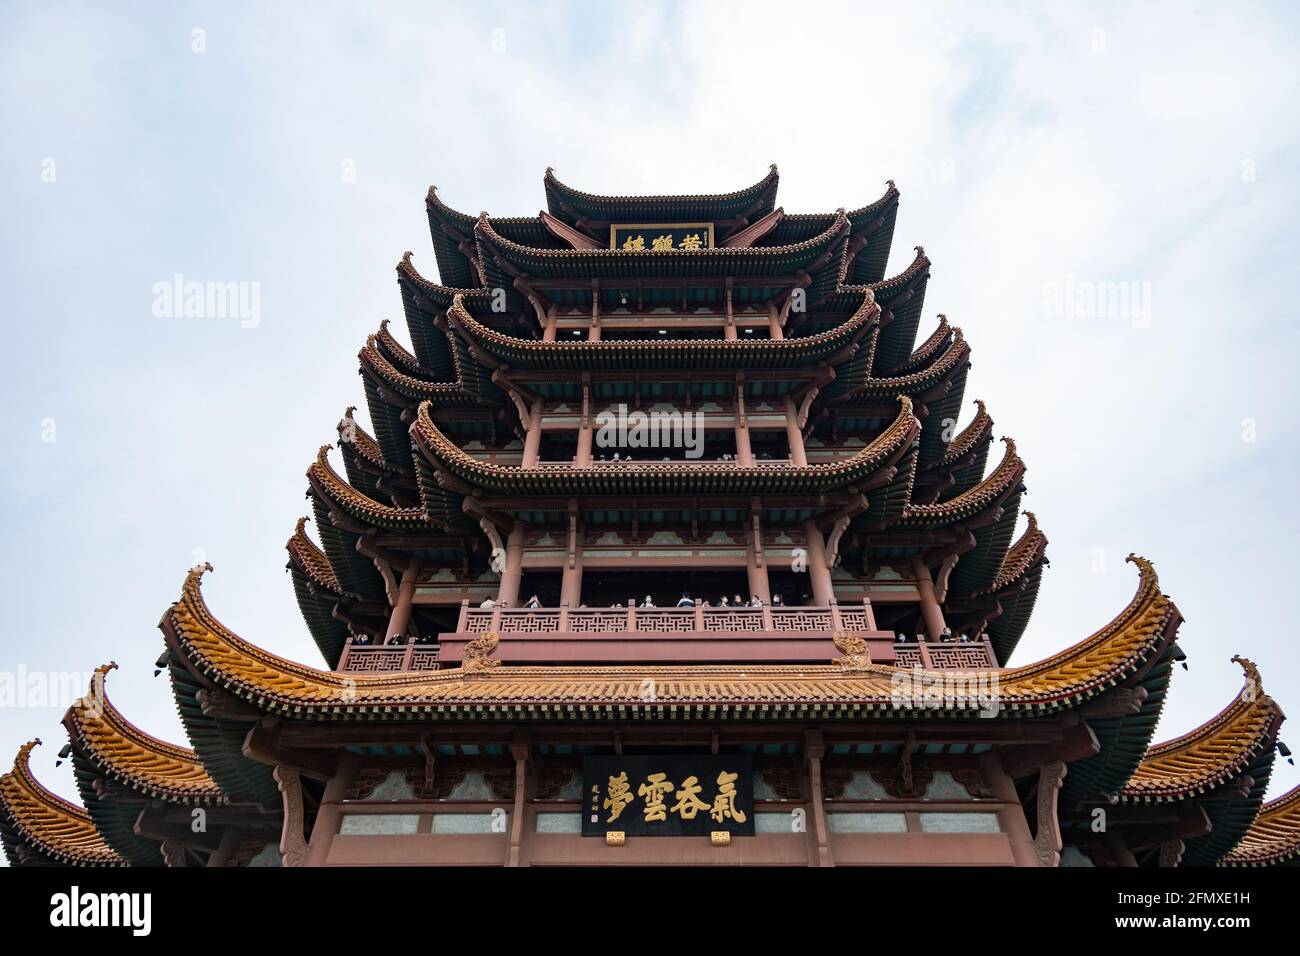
(478, 653)
(853, 647)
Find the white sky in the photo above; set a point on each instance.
(1155, 146)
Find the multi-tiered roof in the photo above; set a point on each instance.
(783, 332)
(537, 310)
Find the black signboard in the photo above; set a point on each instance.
(678, 795)
(660, 237)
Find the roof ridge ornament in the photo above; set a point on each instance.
(1254, 686)
(477, 655)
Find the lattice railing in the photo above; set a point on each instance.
(376, 660)
(802, 619)
(425, 659)
(961, 655)
(388, 658)
(592, 622)
(663, 620)
(907, 656)
(854, 620)
(631, 623)
(734, 619)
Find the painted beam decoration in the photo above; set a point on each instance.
(668, 795)
(660, 237)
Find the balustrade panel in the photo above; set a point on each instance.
(386, 659)
(733, 619)
(586, 621)
(425, 659)
(959, 656)
(801, 619)
(788, 628)
(854, 620)
(529, 621)
(661, 620)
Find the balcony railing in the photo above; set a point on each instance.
(647, 458)
(664, 619)
(628, 635)
(388, 658)
(950, 655)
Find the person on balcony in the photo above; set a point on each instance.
(736, 601)
(722, 601)
(648, 602)
(776, 601)
(756, 601)
(534, 602)
(686, 601)
(945, 636)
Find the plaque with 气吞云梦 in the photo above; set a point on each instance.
(668, 796)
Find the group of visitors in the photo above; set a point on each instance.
(686, 600)
(602, 459)
(364, 640)
(734, 601)
(945, 637)
(489, 603)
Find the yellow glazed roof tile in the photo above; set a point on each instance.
(137, 759)
(1274, 837)
(53, 826)
(311, 558)
(1212, 753)
(276, 684)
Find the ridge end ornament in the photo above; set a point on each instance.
(478, 653)
(856, 653)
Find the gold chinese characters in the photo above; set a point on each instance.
(654, 792)
(662, 243)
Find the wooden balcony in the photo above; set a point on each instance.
(630, 635)
(662, 635)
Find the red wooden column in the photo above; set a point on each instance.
(533, 440)
(329, 816)
(593, 331)
(729, 328)
(508, 591)
(758, 586)
(794, 435)
(1011, 815)
(523, 785)
(819, 836)
(755, 561)
(931, 612)
(818, 573)
(583, 457)
(744, 453)
(774, 327)
(401, 615)
(571, 581)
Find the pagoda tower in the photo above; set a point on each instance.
(673, 536)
